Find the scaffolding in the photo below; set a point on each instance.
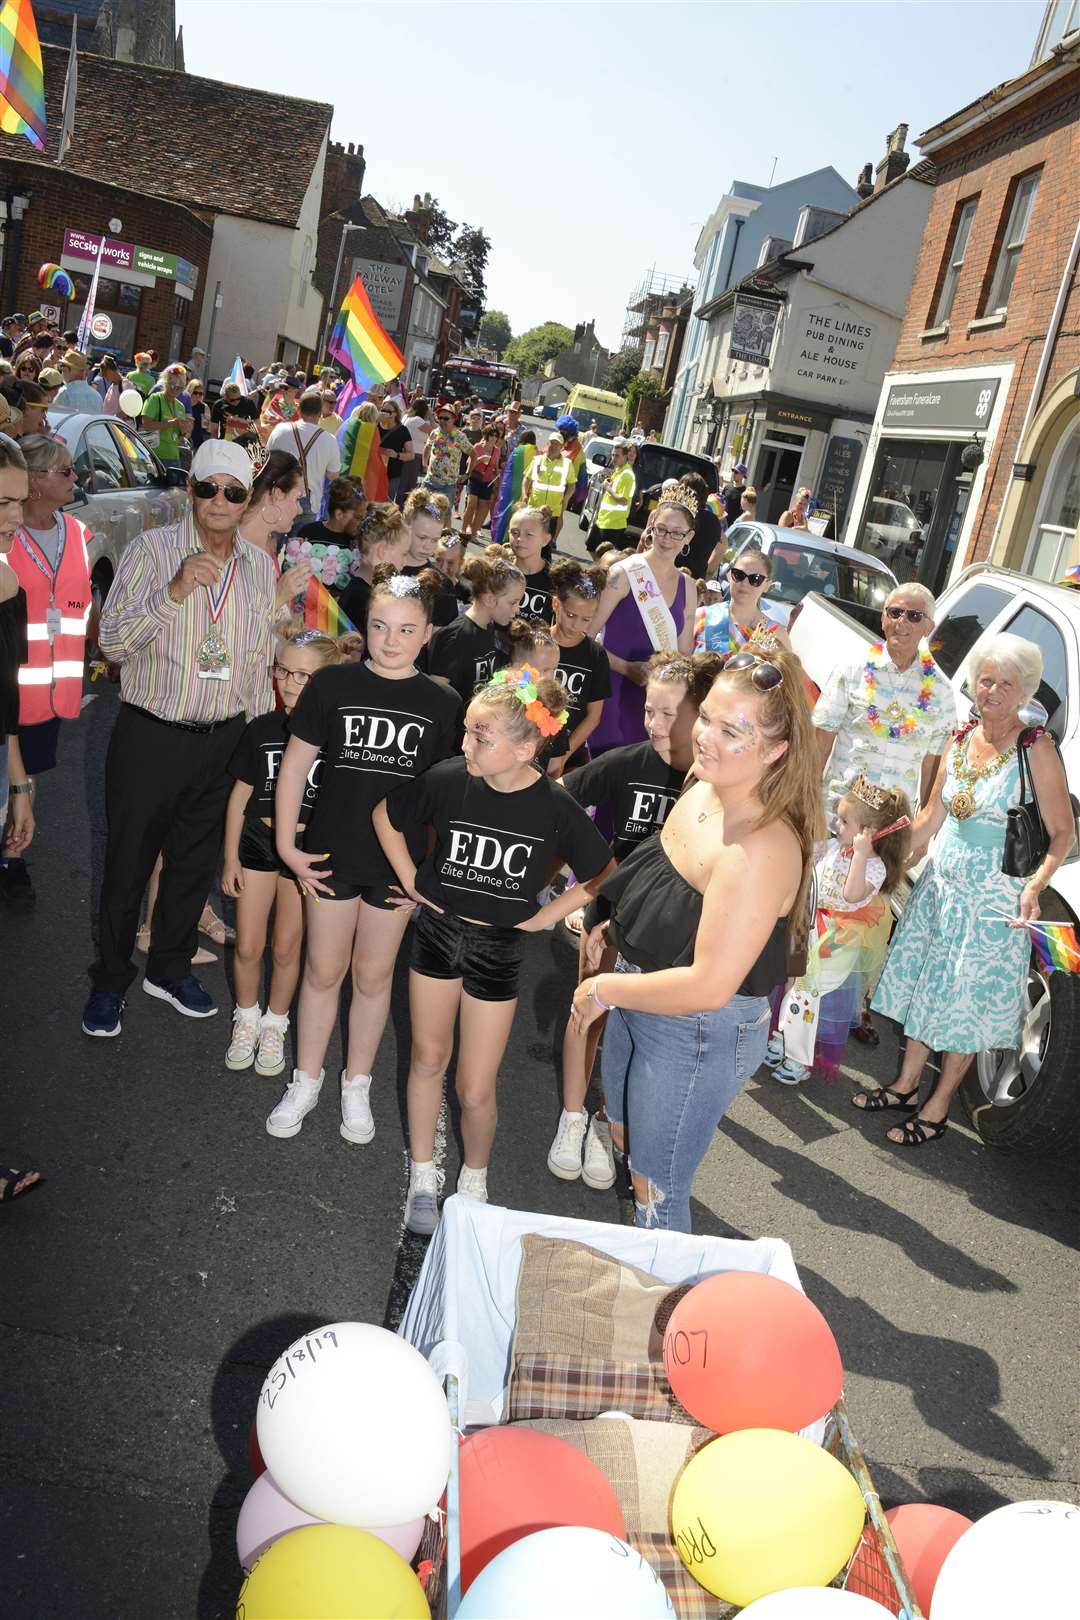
(647, 300)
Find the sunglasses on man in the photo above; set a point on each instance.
(912, 615)
(205, 489)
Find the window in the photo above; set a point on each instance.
(647, 354)
(661, 348)
(799, 569)
(98, 464)
(965, 622)
(1062, 18)
(1060, 514)
(1012, 244)
(142, 469)
(1034, 626)
(960, 235)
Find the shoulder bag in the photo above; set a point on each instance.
(1026, 837)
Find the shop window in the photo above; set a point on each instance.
(968, 618)
(1034, 626)
(958, 243)
(180, 310)
(1055, 532)
(904, 493)
(1012, 243)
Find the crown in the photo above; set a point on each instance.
(258, 454)
(681, 495)
(864, 790)
(764, 638)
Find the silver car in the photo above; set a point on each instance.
(802, 562)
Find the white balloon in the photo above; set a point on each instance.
(814, 1603)
(567, 1571)
(131, 402)
(1023, 1559)
(354, 1428)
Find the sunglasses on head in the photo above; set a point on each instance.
(763, 675)
(206, 489)
(912, 615)
(741, 577)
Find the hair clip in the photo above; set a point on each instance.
(402, 585)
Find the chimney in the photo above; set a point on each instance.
(895, 161)
(418, 217)
(864, 185)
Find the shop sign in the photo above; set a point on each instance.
(187, 274)
(753, 324)
(101, 327)
(385, 286)
(790, 413)
(831, 348)
(837, 479)
(127, 256)
(963, 404)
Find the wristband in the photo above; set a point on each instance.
(21, 787)
(605, 1006)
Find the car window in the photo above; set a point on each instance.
(98, 463)
(597, 448)
(866, 585)
(1034, 626)
(798, 570)
(142, 469)
(656, 462)
(965, 622)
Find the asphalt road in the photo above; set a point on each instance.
(176, 1248)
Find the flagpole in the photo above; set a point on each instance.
(83, 337)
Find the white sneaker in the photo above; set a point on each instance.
(357, 1124)
(422, 1203)
(598, 1169)
(301, 1095)
(564, 1155)
(473, 1184)
(270, 1057)
(245, 1034)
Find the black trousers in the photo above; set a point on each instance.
(165, 791)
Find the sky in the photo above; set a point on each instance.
(592, 140)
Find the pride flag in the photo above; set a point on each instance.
(360, 457)
(323, 611)
(22, 81)
(510, 489)
(1056, 947)
(361, 344)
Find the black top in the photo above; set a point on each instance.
(466, 654)
(395, 439)
(536, 603)
(320, 535)
(257, 760)
(655, 917)
(12, 653)
(241, 406)
(354, 600)
(374, 733)
(494, 852)
(584, 674)
(636, 783)
(732, 499)
(450, 600)
(706, 536)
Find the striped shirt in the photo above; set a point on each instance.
(156, 641)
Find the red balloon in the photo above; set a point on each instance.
(515, 1481)
(255, 1456)
(746, 1351)
(924, 1535)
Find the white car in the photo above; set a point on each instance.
(598, 455)
(892, 529)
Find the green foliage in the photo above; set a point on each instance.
(495, 331)
(621, 367)
(441, 233)
(472, 247)
(643, 386)
(534, 348)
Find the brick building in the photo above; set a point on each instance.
(130, 30)
(974, 452)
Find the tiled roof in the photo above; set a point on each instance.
(239, 151)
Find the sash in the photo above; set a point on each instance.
(657, 617)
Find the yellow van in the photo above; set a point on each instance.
(607, 410)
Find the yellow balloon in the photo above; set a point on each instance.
(760, 1509)
(332, 1572)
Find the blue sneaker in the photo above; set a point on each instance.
(102, 1013)
(186, 995)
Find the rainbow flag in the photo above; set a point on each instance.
(360, 458)
(510, 488)
(22, 81)
(322, 611)
(361, 344)
(1056, 947)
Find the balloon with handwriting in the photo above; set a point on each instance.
(354, 1427)
(746, 1351)
(815, 1603)
(762, 1509)
(1023, 1559)
(331, 1572)
(924, 1535)
(131, 402)
(564, 1572)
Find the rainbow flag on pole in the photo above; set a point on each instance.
(510, 489)
(22, 81)
(1055, 945)
(322, 611)
(361, 344)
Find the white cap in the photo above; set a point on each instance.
(222, 456)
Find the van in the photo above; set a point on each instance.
(588, 405)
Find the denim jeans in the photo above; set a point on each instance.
(669, 1082)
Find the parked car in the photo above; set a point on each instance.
(655, 463)
(597, 455)
(122, 488)
(1027, 1099)
(802, 563)
(892, 529)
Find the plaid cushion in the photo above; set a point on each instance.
(689, 1600)
(641, 1461)
(545, 1386)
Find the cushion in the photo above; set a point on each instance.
(641, 1461)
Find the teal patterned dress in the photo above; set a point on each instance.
(956, 976)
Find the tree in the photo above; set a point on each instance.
(532, 349)
(441, 231)
(621, 368)
(643, 386)
(472, 247)
(495, 331)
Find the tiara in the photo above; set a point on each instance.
(259, 455)
(864, 790)
(680, 496)
(522, 682)
(764, 638)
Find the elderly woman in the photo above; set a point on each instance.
(724, 627)
(956, 977)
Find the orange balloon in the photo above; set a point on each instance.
(747, 1351)
(516, 1481)
(924, 1536)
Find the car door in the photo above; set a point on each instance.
(162, 501)
(99, 467)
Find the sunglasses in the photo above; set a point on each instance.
(912, 615)
(764, 676)
(205, 489)
(741, 577)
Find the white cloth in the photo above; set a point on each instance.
(831, 868)
(657, 617)
(323, 458)
(418, 432)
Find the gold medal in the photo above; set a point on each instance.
(213, 653)
(895, 711)
(963, 804)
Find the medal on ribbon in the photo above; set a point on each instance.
(213, 653)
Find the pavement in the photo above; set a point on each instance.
(176, 1249)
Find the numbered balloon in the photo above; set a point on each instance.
(761, 1510)
(1023, 1559)
(131, 402)
(568, 1571)
(354, 1427)
(815, 1603)
(924, 1535)
(334, 1572)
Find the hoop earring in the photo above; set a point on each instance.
(685, 549)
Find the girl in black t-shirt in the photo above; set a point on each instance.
(500, 828)
(376, 723)
(584, 672)
(253, 872)
(531, 530)
(382, 541)
(467, 653)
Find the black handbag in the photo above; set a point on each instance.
(1026, 837)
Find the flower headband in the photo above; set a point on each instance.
(522, 682)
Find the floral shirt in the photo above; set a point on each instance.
(447, 450)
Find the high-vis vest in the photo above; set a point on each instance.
(610, 515)
(51, 680)
(549, 481)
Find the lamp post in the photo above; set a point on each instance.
(331, 307)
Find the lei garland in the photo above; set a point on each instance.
(522, 683)
(905, 726)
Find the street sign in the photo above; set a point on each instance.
(101, 327)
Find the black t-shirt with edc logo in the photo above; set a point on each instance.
(637, 785)
(257, 759)
(536, 603)
(466, 655)
(585, 676)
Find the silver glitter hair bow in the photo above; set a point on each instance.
(403, 585)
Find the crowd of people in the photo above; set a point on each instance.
(510, 742)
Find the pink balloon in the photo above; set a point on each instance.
(267, 1515)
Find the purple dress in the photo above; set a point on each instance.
(625, 635)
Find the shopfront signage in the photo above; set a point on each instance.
(963, 404)
(753, 324)
(385, 286)
(128, 256)
(101, 327)
(837, 480)
(791, 413)
(831, 348)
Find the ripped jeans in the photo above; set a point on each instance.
(669, 1082)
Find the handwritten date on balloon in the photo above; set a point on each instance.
(681, 1348)
(691, 1550)
(297, 1356)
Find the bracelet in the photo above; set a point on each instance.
(605, 1006)
(21, 787)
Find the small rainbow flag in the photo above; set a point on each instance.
(1055, 945)
(361, 344)
(22, 80)
(510, 487)
(322, 611)
(361, 460)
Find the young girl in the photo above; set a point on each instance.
(376, 723)
(424, 516)
(467, 653)
(636, 786)
(500, 826)
(854, 875)
(531, 529)
(253, 872)
(584, 672)
(382, 540)
(483, 480)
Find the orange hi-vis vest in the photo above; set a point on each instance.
(57, 613)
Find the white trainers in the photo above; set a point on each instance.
(270, 1057)
(598, 1169)
(301, 1095)
(564, 1155)
(473, 1184)
(357, 1124)
(422, 1203)
(245, 1035)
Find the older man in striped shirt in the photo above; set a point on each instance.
(189, 620)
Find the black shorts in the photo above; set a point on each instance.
(258, 852)
(372, 894)
(482, 490)
(486, 960)
(37, 745)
